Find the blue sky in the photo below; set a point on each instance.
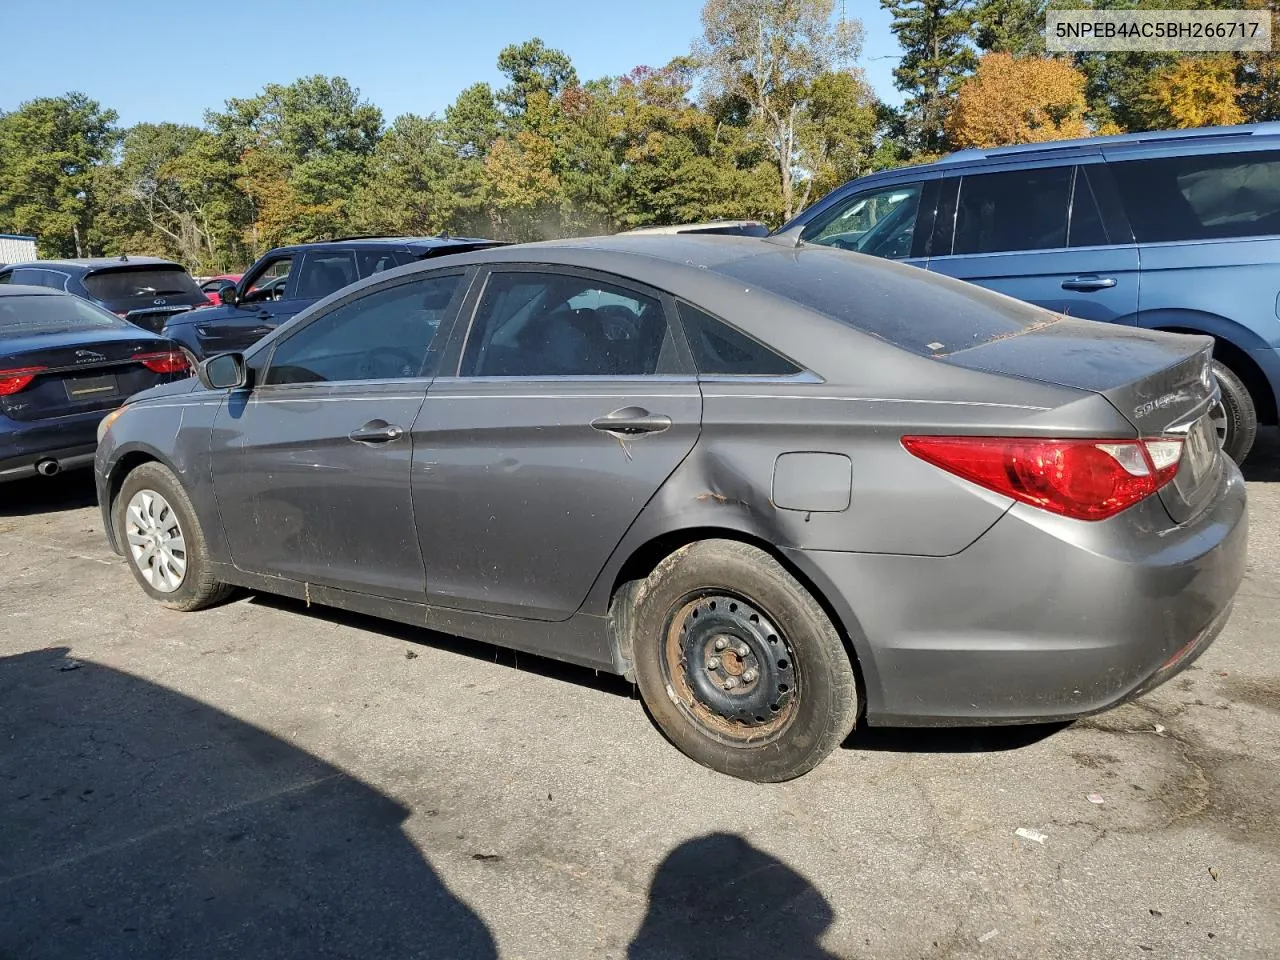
(155, 61)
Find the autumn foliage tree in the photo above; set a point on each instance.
(1195, 92)
(1018, 100)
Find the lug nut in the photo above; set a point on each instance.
(742, 651)
(749, 677)
(721, 643)
(730, 683)
(713, 663)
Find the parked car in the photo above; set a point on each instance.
(781, 488)
(272, 290)
(212, 287)
(65, 362)
(146, 291)
(1178, 230)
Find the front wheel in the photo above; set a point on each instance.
(738, 664)
(163, 540)
(1237, 420)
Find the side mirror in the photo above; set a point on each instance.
(227, 292)
(227, 371)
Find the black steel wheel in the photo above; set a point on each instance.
(738, 664)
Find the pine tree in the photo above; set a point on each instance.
(936, 39)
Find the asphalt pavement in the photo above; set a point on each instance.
(268, 780)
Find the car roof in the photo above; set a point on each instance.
(419, 243)
(90, 264)
(25, 290)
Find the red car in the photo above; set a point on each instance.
(212, 287)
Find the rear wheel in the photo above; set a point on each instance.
(739, 665)
(1237, 420)
(163, 540)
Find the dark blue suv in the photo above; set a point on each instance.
(1175, 230)
(287, 280)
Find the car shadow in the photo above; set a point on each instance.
(950, 739)
(1263, 463)
(66, 491)
(475, 649)
(719, 897)
(139, 823)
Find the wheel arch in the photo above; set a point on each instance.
(124, 463)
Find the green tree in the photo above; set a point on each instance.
(768, 54)
(50, 150)
(936, 40)
(1010, 26)
(836, 133)
(532, 68)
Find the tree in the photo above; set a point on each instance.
(532, 68)
(1018, 100)
(836, 133)
(1010, 26)
(49, 151)
(769, 53)
(1258, 74)
(1194, 92)
(935, 39)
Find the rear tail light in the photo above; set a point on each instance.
(1083, 479)
(171, 361)
(11, 381)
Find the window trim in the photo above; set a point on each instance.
(466, 324)
(444, 333)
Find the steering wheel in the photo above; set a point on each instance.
(618, 323)
(388, 362)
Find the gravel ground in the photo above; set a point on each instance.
(266, 780)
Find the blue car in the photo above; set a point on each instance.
(1176, 230)
(64, 364)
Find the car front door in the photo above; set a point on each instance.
(311, 466)
(892, 221)
(264, 294)
(573, 402)
(1040, 234)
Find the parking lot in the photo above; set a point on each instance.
(266, 780)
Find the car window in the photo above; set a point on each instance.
(269, 281)
(1014, 210)
(324, 272)
(720, 349)
(1202, 197)
(130, 282)
(560, 325)
(384, 335)
(375, 261)
(28, 277)
(22, 316)
(1086, 228)
(880, 223)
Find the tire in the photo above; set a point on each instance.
(161, 508)
(1241, 426)
(793, 698)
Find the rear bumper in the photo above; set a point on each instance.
(69, 440)
(1042, 618)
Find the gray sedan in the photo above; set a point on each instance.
(784, 488)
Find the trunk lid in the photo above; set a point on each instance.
(1162, 383)
(82, 372)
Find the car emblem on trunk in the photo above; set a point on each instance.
(88, 356)
(160, 303)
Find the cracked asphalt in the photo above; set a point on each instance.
(267, 780)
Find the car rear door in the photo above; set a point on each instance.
(573, 401)
(311, 467)
(1041, 234)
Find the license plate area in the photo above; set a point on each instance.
(1200, 449)
(91, 388)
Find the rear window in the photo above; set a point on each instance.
(906, 306)
(1203, 197)
(140, 282)
(22, 316)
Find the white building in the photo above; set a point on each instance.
(15, 248)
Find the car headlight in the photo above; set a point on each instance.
(107, 421)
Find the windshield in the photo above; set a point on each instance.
(128, 283)
(22, 316)
(907, 306)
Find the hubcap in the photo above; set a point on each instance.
(731, 668)
(1218, 414)
(156, 543)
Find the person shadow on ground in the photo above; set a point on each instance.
(719, 897)
(139, 823)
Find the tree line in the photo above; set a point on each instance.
(767, 112)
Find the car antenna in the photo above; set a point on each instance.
(788, 238)
(124, 258)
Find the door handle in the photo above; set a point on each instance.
(1088, 284)
(631, 422)
(376, 431)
